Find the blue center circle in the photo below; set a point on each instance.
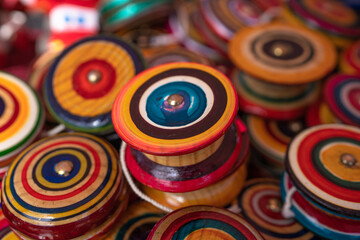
(192, 107)
(2, 106)
(49, 173)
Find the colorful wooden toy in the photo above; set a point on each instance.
(228, 16)
(332, 17)
(83, 81)
(342, 94)
(174, 54)
(274, 101)
(136, 223)
(260, 204)
(283, 54)
(272, 138)
(68, 186)
(153, 114)
(313, 217)
(203, 222)
(322, 162)
(21, 118)
(350, 59)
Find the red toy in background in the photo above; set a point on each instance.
(69, 20)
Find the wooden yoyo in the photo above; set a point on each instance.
(69, 186)
(185, 145)
(342, 95)
(319, 113)
(281, 67)
(83, 81)
(184, 26)
(260, 204)
(174, 54)
(350, 59)
(136, 223)
(333, 18)
(226, 17)
(21, 118)
(321, 184)
(271, 138)
(203, 222)
(5, 231)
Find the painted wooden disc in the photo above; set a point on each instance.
(229, 156)
(283, 54)
(350, 60)
(325, 224)
(332, 16)
(260, 203)
(175, 108)
(68, 181)
(177, 54)
(21, 116)
(323, 163)
(319, 113)
(82, 83)
(136, 223)
(5, 231)
(273, 101)
(203, 222)
(228, 16)
(272, 137)
(342, 94)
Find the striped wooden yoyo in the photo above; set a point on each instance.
(322, 180)
(174, 54)
(274, 101)
(203, 222)
(178, 122)
(282, 66)
(342, 95)
(260, 204)
(226, 17)
(271, 138)
(332, 17)
(69, 186)
(83, 81)
(319, 113)
(136, 223)
(350, 59)
(21, 118)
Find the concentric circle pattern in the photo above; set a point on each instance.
(203, 222)
(66, 181)
(324, 224)
(342, 94)
(332, 16)
(174, 109)
(272, 137)
(260, 202)
(21, 116)
(323, 163)
(228, 16)
(282, 54)
(82, 83)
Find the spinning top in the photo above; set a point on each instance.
(64, 187)
(82, 83)
(21, 118)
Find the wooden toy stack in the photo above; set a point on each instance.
(186, 146)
